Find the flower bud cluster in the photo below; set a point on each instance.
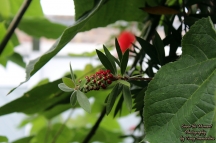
(100, 79)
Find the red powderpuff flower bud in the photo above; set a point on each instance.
(125, 40)
(109, 81)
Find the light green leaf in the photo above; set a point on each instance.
(124, 61)
(73, 98)
(112, 97)
(72, 74)
(83, 101)
(65, 88)
(124, 82)
(125, 10)
(184, 92)
(3, 139)
(68, 82)
(105, 61)
(4, 8)
(127, 97)
(83, 82)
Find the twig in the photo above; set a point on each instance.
(14, 24)
(62, 127)
(95, 127)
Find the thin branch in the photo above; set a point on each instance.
(14, 24)
(62, 127)
(95, 127)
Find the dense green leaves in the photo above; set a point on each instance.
(183, 92)
(83, 101)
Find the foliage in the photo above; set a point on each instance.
(171, 93)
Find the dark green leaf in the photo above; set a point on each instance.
(112, 97)
(159, 46)
(139, 100)
(24, 140)
(17, 58)
(105, 61)
(119, 106)
(111, 58)
(118, 49)
(3, 139)
(149, 49)
(68, 82)
(127, 97)
(72, 74)
(73, 98)
(65, 88)
(83, 101)
(183, 92)
(124, 61)
(37, 100)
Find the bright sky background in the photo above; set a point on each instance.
(58, 7)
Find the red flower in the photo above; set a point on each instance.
(125, 40)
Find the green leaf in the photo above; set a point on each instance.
(72, 74)
(127, 97)
(125, 10)
(35, 26)
(64, 136)
(183, 92)
(65, 88)
(149, 49)
(68, 82)
(38, 99)
(158, 44)
(83, 82)
(118, 49)
(24, 140)
(105, 61)
(124, 82)
(73, 98)
(118, 106)
(17, 58)
(3, 139)
(124, 61)
(83, 101)
(112, 97)
(4, 8)
(111, 58)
